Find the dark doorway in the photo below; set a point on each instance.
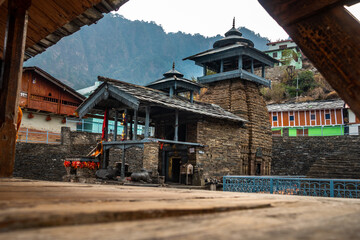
(258, 169)
(173, 169)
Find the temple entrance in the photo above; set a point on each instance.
(173, 169)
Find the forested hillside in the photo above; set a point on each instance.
(132, 51)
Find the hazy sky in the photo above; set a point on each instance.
(207, 17)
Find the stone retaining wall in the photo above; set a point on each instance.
(45, 161)
(319, 157)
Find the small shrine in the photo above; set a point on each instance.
(174, 83)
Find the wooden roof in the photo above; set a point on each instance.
(55, 81)
(329, 36)
(51, 20)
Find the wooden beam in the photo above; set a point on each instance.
(330, 39)
(135, 125)
(10, 87)
(289, 11)
(116, 125)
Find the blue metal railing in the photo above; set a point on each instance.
(301, 186)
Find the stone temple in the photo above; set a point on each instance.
(229, 73)
(224, 131)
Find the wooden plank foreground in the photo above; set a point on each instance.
(55, 210)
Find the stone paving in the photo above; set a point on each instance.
(55, 210)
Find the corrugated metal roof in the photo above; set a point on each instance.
(313, 105)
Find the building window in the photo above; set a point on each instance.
(274, 118)
(283, 46)
(275, 54)
(312, 116)
(292, 118)
(327, 116)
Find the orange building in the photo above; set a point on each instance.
(315, 118)
(46, 102)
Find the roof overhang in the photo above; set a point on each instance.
(104, 92)
(51, 20)
(239, 73)
(232, 51)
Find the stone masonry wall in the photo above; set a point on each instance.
(45, 161)
(151, 158)
(243, 98)
(319, 157)
(225, 151)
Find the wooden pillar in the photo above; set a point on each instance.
(240, 62)
(123, 162)
(135, 124)
(191, 96)
(131, 128)
(204, 71)
(252, 65)
(263, 71)
(15, 36)
(222, 65)
(106, 130)
(171, 93)
(126, 125)
(116, 125)
(176, 125)
(147, 121)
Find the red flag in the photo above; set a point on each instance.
(105, 125)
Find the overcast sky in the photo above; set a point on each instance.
(207, 17)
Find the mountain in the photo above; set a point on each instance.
(133, 51)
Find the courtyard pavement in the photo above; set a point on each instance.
(32, 209)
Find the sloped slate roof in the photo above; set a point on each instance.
(313, 105)
(148, 95)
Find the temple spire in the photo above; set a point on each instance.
(234, 22)
(173, 65)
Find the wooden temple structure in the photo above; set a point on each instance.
(27, 28)
(178, 122)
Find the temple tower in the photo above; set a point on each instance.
(230, 74)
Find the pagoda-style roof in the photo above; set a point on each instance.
(233, 57)
(174, 79)
(233, 36)
(116, 94)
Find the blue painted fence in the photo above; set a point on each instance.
(301, 186)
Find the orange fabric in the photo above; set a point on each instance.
(18, 122)
(99, 150)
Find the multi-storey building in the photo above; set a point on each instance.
(315, 118)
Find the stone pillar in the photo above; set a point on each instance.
(285, 132)
(65, 136)
(151, 158)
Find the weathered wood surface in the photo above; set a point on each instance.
(10, 85)
(329, 36)
(50, 210)
(50, 20)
